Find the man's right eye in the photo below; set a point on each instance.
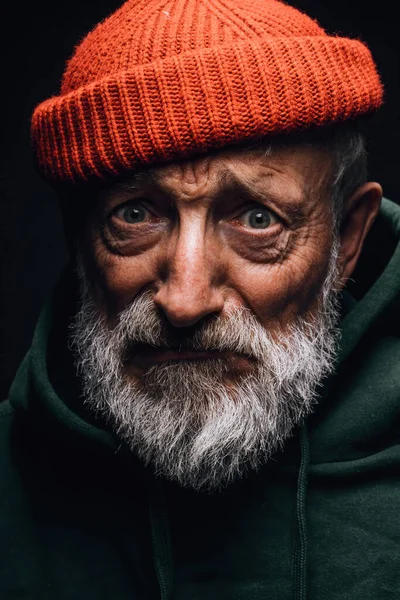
(132, 213)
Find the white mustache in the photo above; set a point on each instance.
(237, 331)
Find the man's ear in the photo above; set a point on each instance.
(359, 213)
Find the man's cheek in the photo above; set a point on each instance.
(284, 291)
(118, 279)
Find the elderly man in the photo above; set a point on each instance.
(208, 410)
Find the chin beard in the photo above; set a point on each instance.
(194, 422)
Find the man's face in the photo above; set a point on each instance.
(235, 230)
(208, 305)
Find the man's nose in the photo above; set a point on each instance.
(190, 286)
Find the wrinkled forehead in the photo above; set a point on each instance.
(297, 171)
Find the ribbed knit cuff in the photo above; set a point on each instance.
(200, 100)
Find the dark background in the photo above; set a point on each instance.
(38, 38)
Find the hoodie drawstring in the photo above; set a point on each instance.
(161, 539)
(161, 536)
(301, 539)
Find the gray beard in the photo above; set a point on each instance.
(190, 421)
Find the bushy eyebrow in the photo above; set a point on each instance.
(137, 181)
(230, 184)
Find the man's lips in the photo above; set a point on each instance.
(145, 356)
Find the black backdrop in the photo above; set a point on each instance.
(38, 38)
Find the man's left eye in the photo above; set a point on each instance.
(258, 218)
(132, 213)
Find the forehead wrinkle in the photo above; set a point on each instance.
(227, 179)
(300, 179)
(152, 178)
(158, 179)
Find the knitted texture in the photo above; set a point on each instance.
(163, 79)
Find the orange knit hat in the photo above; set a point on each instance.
(164, 79)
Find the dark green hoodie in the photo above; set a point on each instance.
(82, 519)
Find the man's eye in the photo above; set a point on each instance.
(132, 213)
(258, 218)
